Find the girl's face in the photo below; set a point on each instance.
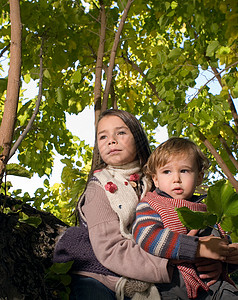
(116, 143)
(179, 176)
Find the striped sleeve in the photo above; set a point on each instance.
(149, 232)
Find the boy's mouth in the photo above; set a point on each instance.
(178, 190)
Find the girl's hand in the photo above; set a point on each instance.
(232, 257)
(193, 232)
(213, 247)
(209, 269)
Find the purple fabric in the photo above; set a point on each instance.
(75, 246)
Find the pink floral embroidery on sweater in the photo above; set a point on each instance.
(111, 187)
(134, 177)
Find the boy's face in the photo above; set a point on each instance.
(179, 177)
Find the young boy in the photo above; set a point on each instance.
(177, 167)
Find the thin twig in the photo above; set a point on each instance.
(228, 67)
(4, 50)
(29, 125)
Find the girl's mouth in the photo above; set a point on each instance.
(114, 151)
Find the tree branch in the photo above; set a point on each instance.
(113, 55)
(232, 129)
(139, 70)
(230, 101)
(232, 158)
(99, 64)
(219, 160)
(215, 76)
(36, 110)
(13, 85)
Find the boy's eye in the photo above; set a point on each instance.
(184, 171)
(166, 171)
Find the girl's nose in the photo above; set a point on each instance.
(112, 141)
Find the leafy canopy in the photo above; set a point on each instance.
(163, 49)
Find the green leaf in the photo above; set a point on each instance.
(175, 53)
(231, 209)
(60, 95)
(61, 268)
(170, 96)
(161, 57)
(212, 47)
(77, 188)
(235, 90)
(224, 50)
(229, 225)
(17, 170)
(213, 200)
(39, 144)
(227, 192)
(196, 220)
(222, 199)
(174, 4)
(47, 74)
(214, 27)
(76, 77)
(204, 115)
(30, 220)
(184, 72)
(167, 5)
(65, 279)
(27, 78)
(3, 85)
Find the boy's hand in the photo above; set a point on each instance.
(232, 257)
(213, 247)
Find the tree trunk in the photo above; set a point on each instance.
(11, 102)
(26, 253)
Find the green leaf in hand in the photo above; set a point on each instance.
(231, 209)
(229, 225)
(196, 219)
(222, 200)
(214, 199)
(228, 196)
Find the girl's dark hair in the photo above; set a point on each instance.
(141, 141)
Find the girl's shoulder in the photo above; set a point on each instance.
(93, 183)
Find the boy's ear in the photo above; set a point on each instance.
(155, 180)
(200, 178)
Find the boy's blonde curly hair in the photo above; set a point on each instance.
(173, 146)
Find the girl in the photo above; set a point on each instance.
(102, 248)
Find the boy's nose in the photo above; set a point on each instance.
(176, 177)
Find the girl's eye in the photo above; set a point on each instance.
(166, 171)
(102, 137)
(184, 171)
(121, 132)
